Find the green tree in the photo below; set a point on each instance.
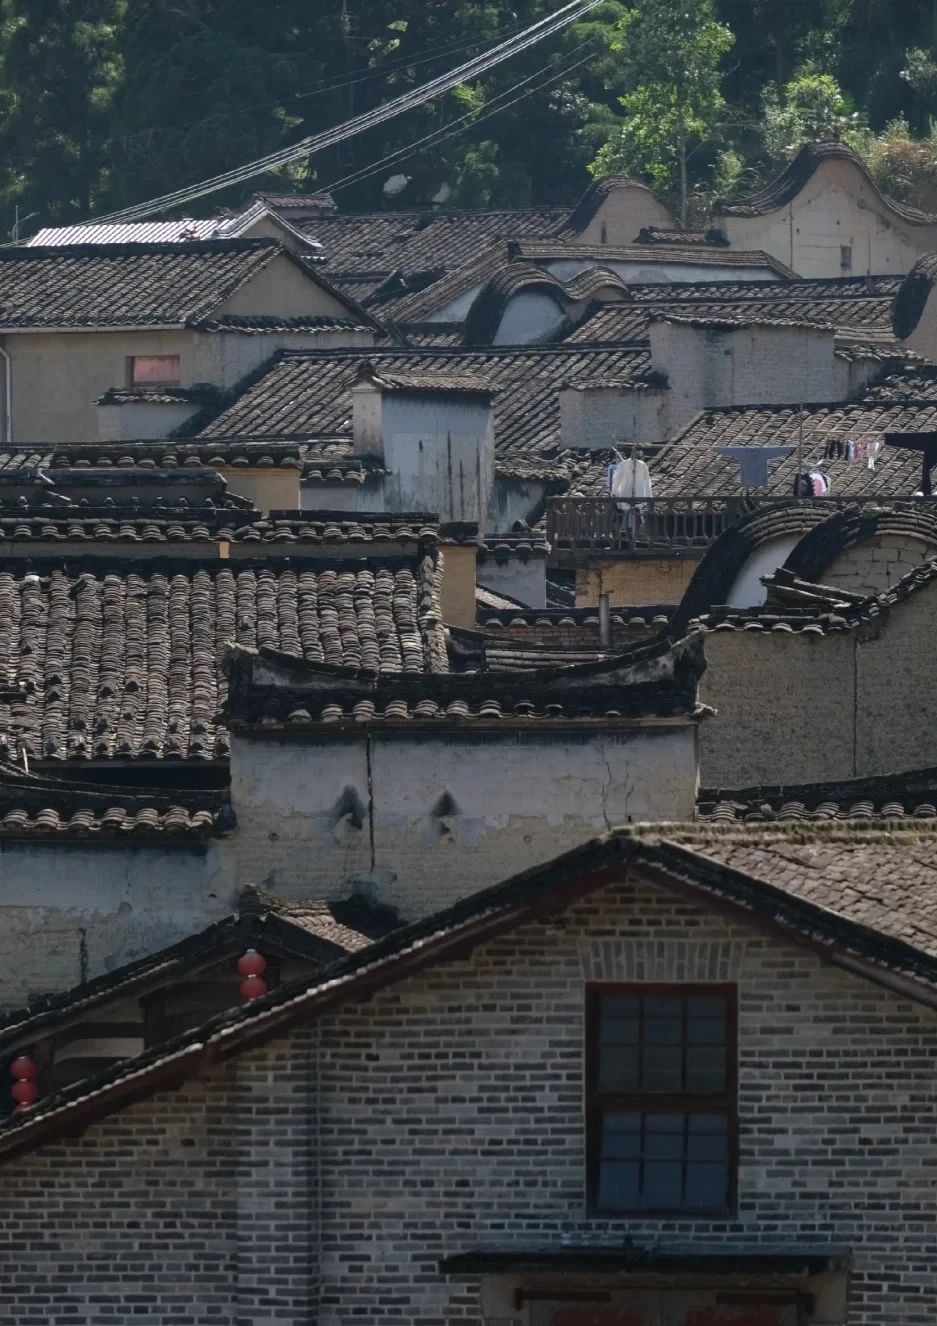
(670, 55)
(809, 109)
(59, 67)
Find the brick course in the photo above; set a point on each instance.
(448, 1114)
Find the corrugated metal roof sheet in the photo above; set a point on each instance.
(133, 232)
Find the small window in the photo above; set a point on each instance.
(662, 1108)
(845, 257)
(155, 371)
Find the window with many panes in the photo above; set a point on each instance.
(662, 1107)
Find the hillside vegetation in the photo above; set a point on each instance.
(104, 103)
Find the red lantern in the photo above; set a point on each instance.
(23, 1069)
(252, 963)
(25, 1092)
(252, 987)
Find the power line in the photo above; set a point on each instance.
(318, 142)
(455, 127)
(365, 75)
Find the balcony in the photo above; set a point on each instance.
(670, 527)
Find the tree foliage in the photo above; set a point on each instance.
(670, 56)
(104, 103)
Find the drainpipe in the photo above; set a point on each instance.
(7, 398)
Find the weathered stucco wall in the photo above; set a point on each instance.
(439, 454)
(420, 822)
(280, 1186)
(634, 583)
(529, 316)
(600, 417)
(520, 578)
(837, 209)
(70, 913)
(281, 287)
(873, 565)
(799, 707)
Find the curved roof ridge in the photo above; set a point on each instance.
(786, 186)
(487, 310)
(590, 202)
(719, 567)
(912, 296)
(829, 538)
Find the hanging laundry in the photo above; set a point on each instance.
(819, 482)
(753, 462)
(872, 451)
(630, 478)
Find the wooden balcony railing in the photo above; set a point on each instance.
(662, 526)
(655, 526)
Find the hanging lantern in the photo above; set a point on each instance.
(252, 987)
(252, 963)
(25, 1092)
(24, 1072)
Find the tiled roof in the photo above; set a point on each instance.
(655, 680)
(916, 384)
(648, 255)
(628, 322)
(810, 609)
(674, 235)
(415, 242)
(458, 384)
(789, 184)
(915, 291)
(430, 333)
(129, 285)
(240, 452)
(691, 466)
(264, 324)
(903, 796)
(305, 393)
(315, 932)
(718, 292)
(126, 663)
(864, 895)
(175, 525)
(34, 806)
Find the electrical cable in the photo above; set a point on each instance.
(317, 90)
(317, 142)
(457, 126)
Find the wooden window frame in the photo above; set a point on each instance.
(597, 1103)
(141, 384)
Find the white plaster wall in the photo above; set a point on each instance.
(624, 211)
(224, 358)
(343, 496)
(282, 287)
(747, 590)
(513, 500)
(530, 316)
(134, 422)
(837, 207)
(516, 799)
(57, 377)
(524, 580)
(604, 417)
(69, 913)
(439, 454)
(747, 366)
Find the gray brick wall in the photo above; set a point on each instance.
(448, 1113)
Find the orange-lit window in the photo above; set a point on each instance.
(155, 371)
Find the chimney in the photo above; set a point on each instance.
(597, 415)
(716, 362)
(433, 433)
